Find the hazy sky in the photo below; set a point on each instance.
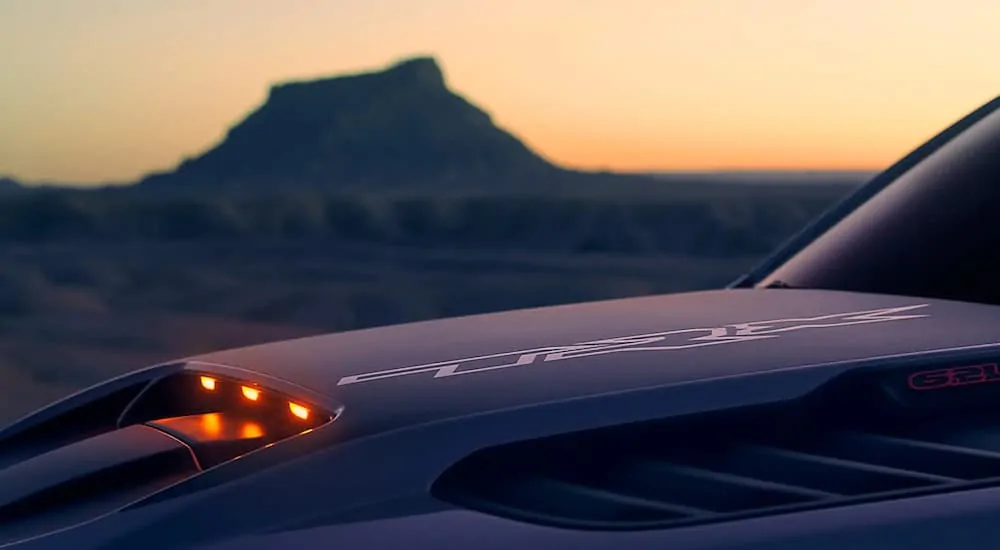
(110, 89)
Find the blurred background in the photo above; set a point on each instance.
(187, 175)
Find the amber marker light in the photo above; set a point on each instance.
(208, 383)
(251, 393)
(299, 411)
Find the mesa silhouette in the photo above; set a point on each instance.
(9, 184)
(399, 127)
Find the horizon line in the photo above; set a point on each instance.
(654, 172)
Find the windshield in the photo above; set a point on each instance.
(934, 232)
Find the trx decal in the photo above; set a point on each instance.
(956, 376)
(658, 341)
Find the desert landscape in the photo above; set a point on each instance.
(352, 202)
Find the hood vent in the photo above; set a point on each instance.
(88, 419)
(88, 478)
(731, 465)
(132, 439)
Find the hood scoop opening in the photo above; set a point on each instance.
(88, 419)
(88, 478)
(854, 442)
(120, 444)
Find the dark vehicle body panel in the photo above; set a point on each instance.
(791, 329)
(397, 435)
(938, 522)
(899, 279)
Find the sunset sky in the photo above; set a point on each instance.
(94, 90)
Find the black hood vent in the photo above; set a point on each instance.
(843, 446)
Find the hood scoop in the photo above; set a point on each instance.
(857, 441)
(84, 479)
(125, 442)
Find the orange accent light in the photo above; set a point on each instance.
(251, 393)
(212, 424)
(299, 411)
(251, 430)
(208, 383)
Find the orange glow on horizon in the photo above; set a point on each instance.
(103, 90)
(595, 155)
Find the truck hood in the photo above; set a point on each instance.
(413, 400)
(406, 374)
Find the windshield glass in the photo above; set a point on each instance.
(934, 232)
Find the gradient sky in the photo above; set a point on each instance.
(95, 90)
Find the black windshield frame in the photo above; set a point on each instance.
(924, 227)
